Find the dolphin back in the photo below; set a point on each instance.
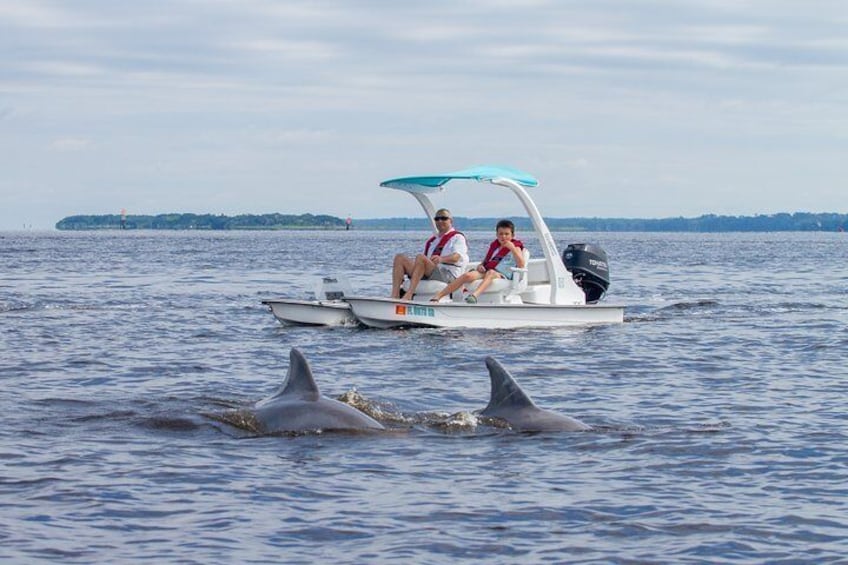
(324, 414)
(299, 380)
(505, 391)
(508, 402)
(299, 407)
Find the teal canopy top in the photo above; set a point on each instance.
(432, 183)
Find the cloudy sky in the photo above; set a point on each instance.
(621, 108)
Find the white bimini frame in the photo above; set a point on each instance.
(544, 294)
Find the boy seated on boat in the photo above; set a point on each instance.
(444, 259)
(504, 253)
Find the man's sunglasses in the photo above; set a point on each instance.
(441, 218)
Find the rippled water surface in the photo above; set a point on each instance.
(719, 408)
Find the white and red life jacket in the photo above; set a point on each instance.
(496, 253)
(443, 241)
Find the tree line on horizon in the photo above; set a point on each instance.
(177, 221)
(798, 221)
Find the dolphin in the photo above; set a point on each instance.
(511, 404)
(299, 407)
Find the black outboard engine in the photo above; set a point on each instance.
(588, 265)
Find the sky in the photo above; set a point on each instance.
(621, 108)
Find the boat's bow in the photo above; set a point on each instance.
(312, 312)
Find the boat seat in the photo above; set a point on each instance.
(537, 272)
(428, 287)
(505, 291)
(538, 289)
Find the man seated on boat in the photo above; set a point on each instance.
(444, 259)
(504, 253)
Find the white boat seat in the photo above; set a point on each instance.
(537, 272)
(538, 283)
(428, 287)
(505, 290)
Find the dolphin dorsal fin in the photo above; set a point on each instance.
(505, 391)
(299, 379)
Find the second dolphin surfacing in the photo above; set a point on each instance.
(510, 403)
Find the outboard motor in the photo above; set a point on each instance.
(331, 288)
(588, 265)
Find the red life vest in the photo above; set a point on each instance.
(442, 242)
(494, 255)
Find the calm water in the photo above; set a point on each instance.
(720, 407)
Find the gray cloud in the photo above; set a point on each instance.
(641, 108)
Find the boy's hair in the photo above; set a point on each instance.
(506, 224)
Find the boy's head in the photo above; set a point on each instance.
(505, 229)
(505, 225)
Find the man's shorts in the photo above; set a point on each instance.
(442, 275)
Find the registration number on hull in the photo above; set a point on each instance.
(410, 310)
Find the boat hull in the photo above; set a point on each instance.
(312, 312)
(392, 313)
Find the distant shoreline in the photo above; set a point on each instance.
(797, 221)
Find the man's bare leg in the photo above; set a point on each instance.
(423, 266)
(402, 266)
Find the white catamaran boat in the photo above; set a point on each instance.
(549, 291)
